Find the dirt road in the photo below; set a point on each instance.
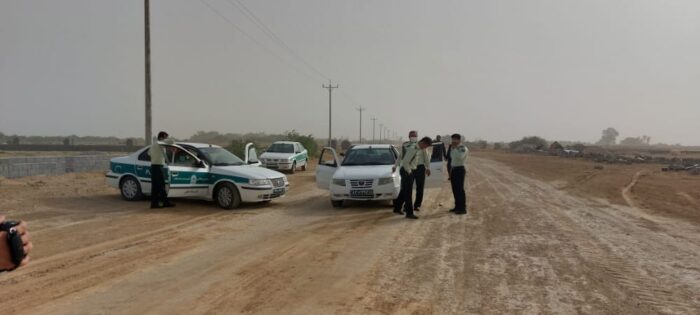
(525, 247)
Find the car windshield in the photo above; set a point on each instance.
(281, 148)
(369, 156)
(220, 156)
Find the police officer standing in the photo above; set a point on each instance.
(422, 170)
(458, 157)
(159, 197)
(407, 165)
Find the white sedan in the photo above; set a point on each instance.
(365, 173)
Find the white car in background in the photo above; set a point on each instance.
(285, 155)
(365, 173)
(202, 171)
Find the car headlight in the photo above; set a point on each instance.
(339, 181)
(386, 180)
(260, 182)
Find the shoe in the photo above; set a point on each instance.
(169, 205)
(411, 216)
(398, 212)
(461, 212)
(452, 210)
(416, 208)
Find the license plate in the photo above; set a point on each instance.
(362, 193)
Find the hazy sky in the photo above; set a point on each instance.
(496, 70)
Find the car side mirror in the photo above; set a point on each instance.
(252, 162)
(201, 164)
(342, 154)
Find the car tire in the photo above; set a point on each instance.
(294, 167)
(227, 196)
(303, 167)
(130, 188)
(337, 203)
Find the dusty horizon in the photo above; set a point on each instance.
(497, 70)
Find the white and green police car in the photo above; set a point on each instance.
(285, 155)
(202, 171)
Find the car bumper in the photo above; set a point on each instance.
(278, 165)
(112, 179)
(383, 192)
(257, 194)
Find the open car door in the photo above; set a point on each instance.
(327, 165)
(251, 156)
(438, 169)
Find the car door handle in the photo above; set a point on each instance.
(175, 173)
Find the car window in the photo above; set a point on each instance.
(369, 156)
(183, 158)
(220, 156)
(327, 158)
(281, 148)
(144, 156)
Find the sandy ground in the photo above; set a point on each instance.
(527, 246)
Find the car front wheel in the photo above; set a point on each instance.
(130, 189)
(303, 167)
(294, 167)
(227, 196)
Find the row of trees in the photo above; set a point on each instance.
(609, 137)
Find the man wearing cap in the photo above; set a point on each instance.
(407, 165)
(458, 158)
(159, 197)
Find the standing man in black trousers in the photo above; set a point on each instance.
(458, 172)
(159, 197)
(422, 170)
(407, 165)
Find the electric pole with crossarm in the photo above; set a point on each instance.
(360, 109)
(330, 88)
(374, 120)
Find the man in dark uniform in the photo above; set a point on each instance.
(407, 165)
(458, 171)
(159, 197)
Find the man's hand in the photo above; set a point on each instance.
(5, 254)
(393, 170)
(427, 171)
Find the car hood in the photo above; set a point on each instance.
(276, 155)
(247, 171)
(363, 172)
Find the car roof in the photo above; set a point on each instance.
(198, 145)
(285, 142)
(375, 146)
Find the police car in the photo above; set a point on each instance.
(202, 171)
(285, 155)
(365, 173)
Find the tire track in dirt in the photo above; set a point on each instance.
(627, 190)
(644, 289)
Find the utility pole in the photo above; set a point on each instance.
(330, 88)
(374, 120)
(360, 109)
(381, 131)
(147, 33)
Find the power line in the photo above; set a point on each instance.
(272, 35)
(250, 37)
